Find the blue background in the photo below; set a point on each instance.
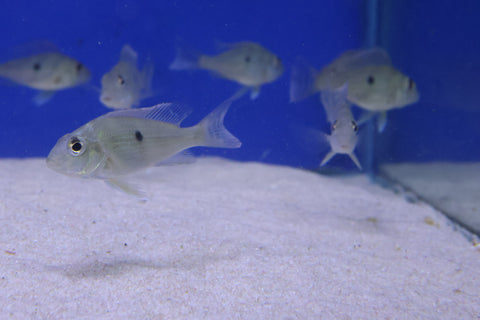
(434, 42)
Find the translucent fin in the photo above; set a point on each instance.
(186, 58)
(43, 97)
(365, 117)
(355, 160)
(327, 157)
(128, 55)
(240, 92)
(254, 93)
(361, 58)
(183, 157)
(128, 188)
(382, 121)
(167, 112)
(216, 135)
(302, 81)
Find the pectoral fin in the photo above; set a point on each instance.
(328, 157)
(128, 188)
(254, 93)
(43, 97)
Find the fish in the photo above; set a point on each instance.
(122, 142)
(247, 63)
(48, 72)
(125, 85)
(343, 137)
(373, 83)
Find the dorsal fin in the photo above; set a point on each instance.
(167, 112)
(128, 55)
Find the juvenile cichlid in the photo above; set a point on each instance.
(125, 141)
(48, 72)
(373, 83)
(125, 85)
(343, 137)
(247, 63)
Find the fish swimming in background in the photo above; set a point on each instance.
(122, 142)
(344, 129)
(247, 63)
(49, 72)
(373, 83)
(125, 85)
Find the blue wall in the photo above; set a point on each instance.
(437, 45)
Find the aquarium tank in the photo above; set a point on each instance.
(380, 90)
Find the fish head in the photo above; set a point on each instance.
(381, 88)
(343, 137)
(71, 73)
(75, 155)
(277, 68)
(407, 92)
(117, 91)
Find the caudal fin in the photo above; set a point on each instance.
(186, 58)
(215, 133)
(302, 81)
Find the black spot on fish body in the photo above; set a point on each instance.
(79, 67)
(37, 66)
(138, 136)
(370, 80)
(247, 59)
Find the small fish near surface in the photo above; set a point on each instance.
(122, 142)
(125, 85)
(247, 63)
(49, 72)
(373, 83)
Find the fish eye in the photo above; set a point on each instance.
(354, 126)
(37, 66)
(370, 80)
(75, 146)
(334, 125)
(79, 66)
(120, 80)
(411, 83)
(247, 59)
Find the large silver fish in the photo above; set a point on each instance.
(373, 83)
(247, 63)
(125, 141)
(48, 72)
(125, 85)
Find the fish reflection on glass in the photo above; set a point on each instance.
(247, 63)
(126, 141)
(344, 129)
(49, 72)
(125, 85)
(373, 83)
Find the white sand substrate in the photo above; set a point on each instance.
(225, 240)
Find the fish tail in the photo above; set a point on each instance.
(302, 82)
(214, 132)
(186, 58)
